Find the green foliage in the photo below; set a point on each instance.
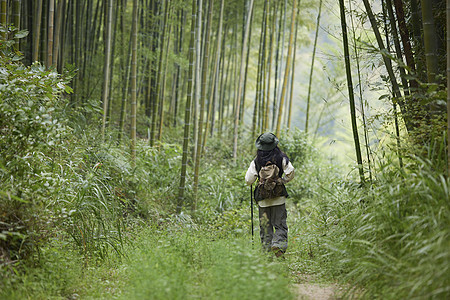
(295, 144)
(31, 130)
(390, 240)
(61, 273)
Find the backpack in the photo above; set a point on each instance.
(268, 185)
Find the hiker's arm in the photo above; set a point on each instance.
(251, 174)
(288, 170)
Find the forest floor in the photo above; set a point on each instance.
(210, 266)
(175, 263)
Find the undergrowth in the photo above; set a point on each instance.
(386, 240)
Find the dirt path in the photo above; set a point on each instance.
(308, 289)
(315, 291)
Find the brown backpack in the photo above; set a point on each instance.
(269, 185)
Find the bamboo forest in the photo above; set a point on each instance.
(212, 149)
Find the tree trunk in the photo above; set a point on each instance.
(4, 15)
(430, 40)
(361, 98)
(308, 98)
(404, 34)
(51, 15)
(162, 90)
(448, 90)
(37, 30)
(56, 44)
(291, 100)
(241, 77)
(197, 75)
(265, 122)
(187, 112)
(106, 67)
(4, 12)
(125, 70)
(265, 70)
(134, 31)
(259, 76)
(160, 70)
(277, 71)
(417, 38)
(350, 91)
(16, 20)
(246, 69)
(387, 63)
(202, 102)
(394, 105)
(286, 71)
(398, 49)
(214, 72)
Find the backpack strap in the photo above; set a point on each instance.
(257, 166)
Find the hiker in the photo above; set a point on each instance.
(269, 166)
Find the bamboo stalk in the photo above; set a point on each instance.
(286, 71)
(202, 103)
(291, 100)
(134, 31)
(430, 40)
(37, 30)
(448, 85)
(51, 15)
(350, 91)
(187, 112)
(106, 67)
(241, 77)
(308, 98)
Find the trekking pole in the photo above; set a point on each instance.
(251, 206)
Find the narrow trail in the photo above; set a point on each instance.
(309, 288)
(315, 291)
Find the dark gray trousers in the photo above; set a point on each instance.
(273, 227)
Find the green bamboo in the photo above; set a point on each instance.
(106, 66)
(214, 72)
(387, 63)
(16, 20)
(448, 85)
(350, 92)
(51, 17)
(134, 31)
(265, 125)
(3, 15)
(394, 105)
(37, 30)
(161, 97)
(187, 112)
(308, 98)
(397, 46)
(56, 44)
(361, 98)
(286, 71)
(430, 40)
(241, 79)
(202, 103)
(158, 79)
(404, 35)
(291, 100)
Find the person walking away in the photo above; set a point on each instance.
(273, 170)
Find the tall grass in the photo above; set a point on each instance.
(192, 264)
(389, 240)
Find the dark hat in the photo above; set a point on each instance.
(266, 142)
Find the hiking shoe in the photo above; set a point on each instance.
(278, 252)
